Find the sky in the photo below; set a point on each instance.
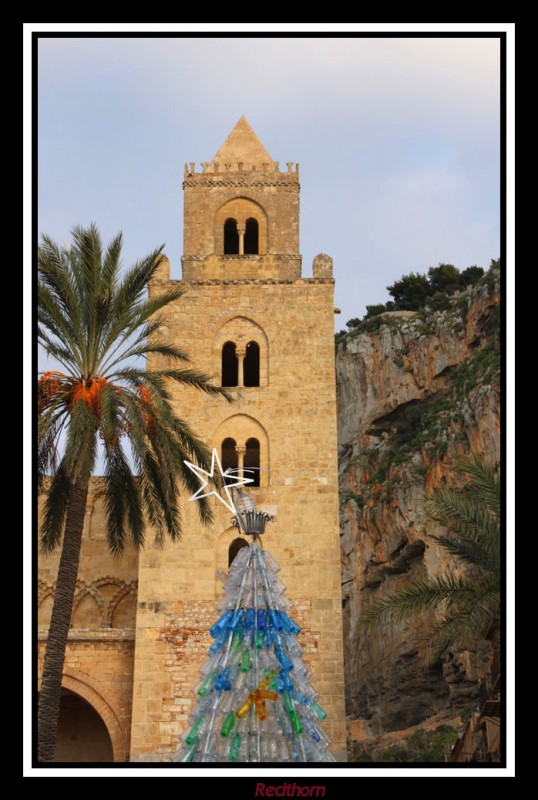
(397, 140)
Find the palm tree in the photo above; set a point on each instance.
(96, 324)
(469, 604)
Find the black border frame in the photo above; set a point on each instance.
(250, 786)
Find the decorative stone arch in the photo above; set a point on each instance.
(97, 697)
(241, 331)
(90, 591)
(241, 209)
(44, 592)
(243, 427)
(108, 580)
(126, 590)
(121, 587)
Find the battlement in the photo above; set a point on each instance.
(266, 168)
(241, 156)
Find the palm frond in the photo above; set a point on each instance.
(57, 350)
(49, 427)
(472, 519)
(460, 513)
(132, 288)
(486, 481)
(81, 443)
(420, 595)
(122, 501)
(470, 551)
(158, 378)
(164, 508)
(95, 323)
(111, 265)
(55, 510)
(465, 626)
(140, 344)
(55, 325)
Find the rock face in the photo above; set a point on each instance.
(415, 390)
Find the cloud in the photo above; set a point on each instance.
(463, 71)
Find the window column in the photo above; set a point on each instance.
(241, 227)
(240, 355)
(240, 450)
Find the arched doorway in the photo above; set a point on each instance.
(82, 734)
(234, 549)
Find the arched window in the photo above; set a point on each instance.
(252, 462)
(251, 365)
(229, 365)
(234, 548)
(251, 237)
(231, 238)
(228, 456)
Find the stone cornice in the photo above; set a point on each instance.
(251, 281)
(105, 635)
(245, 257)
(202, 181)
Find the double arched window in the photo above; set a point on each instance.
(240, 367)
(241, 228)
(241, 238)
(242, 459)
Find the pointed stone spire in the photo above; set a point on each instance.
(242, 147)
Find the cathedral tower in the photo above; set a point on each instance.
(251, 321)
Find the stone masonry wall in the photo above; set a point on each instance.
(296, 412)
(100, 652)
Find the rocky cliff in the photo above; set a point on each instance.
(415, 390)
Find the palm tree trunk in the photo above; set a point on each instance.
(49, 701)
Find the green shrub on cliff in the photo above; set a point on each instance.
(415, 290)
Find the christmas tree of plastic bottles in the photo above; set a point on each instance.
(255, 701)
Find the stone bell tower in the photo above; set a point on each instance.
(251, 321)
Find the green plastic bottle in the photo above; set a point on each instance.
(295, 722)
(193, 734)
(228, 724)
(206, 685)
(245, 661)
(288, 705)
(234, 749)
